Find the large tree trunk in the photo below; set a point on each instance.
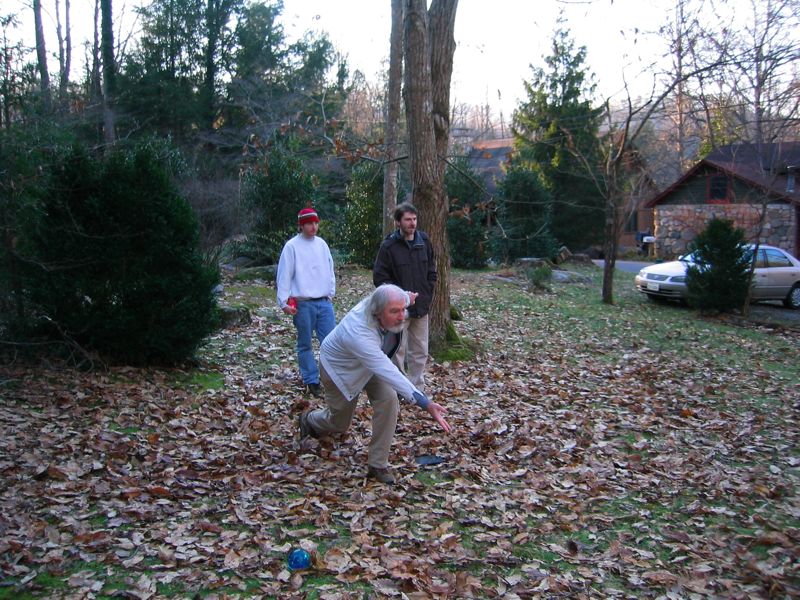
(393, 116)
(428, 50)
(109, 71)
(442, 17)
(95, 79)
(41, 55)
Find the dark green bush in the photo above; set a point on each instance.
(361, 226)
(274, 193)
(540, 277)
(26, 155)
(524, 219)
(719, 278)
(110, 259)
(467, 239)
(467, 231)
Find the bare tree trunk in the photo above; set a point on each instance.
(442, 17)
(109, 71)
(681, 94)
(427, 114)
(393, 116)
(611, 238)
(41, 56)
(95, 80)
(64, 54)
(214, 17)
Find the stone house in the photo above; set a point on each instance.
(738, 182)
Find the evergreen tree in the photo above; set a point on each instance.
(172, 80)
(361, 228)
(523, 216)
(110, 259)
(719, 277)
(261, 50)
(467, 229)
(274, 192)
(554, 123)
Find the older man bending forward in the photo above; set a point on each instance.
(356, 356)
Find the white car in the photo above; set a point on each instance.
(776, 277)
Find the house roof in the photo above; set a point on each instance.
(764, 166)
(487, 157)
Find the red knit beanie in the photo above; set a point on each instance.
(307, 215)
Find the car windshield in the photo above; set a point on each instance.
(689, 258)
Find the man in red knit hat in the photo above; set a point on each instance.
(306, 285)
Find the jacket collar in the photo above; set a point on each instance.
(399, 237)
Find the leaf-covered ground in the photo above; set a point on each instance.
(627, 451)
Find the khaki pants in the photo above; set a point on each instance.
(413, 351)
(338, 414)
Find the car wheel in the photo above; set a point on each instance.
(792, 300)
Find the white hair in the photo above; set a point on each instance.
(377, 301)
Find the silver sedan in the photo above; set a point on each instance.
(776, 277)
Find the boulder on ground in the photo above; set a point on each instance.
(234, 316)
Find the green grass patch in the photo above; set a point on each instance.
(126, 430)
(250, 296)
(206, 380)
(535, 550)
(430, 477)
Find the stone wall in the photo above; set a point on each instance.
(677, 225)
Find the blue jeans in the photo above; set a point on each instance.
(312, 316)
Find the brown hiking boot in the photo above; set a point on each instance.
(306, 429)
(315, 390)
(381, 475)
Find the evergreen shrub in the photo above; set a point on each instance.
(361, 226)
(26, 155)
(111, 259)
(540, 277)
(524, 218)
(719, 277)
(467, 231)
(274, 192)
(467, 238)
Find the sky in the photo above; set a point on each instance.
(497, 41)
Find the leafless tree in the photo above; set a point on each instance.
(393, 94)
(364, 110)
(429, 46)
(95, 80)
(685, 34)
(621, 178)
(64, 52)
(109, 71)
(41, 55)
(753, 97)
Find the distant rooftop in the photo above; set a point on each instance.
(487, 158)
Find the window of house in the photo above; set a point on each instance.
(718, 189)
(632, 223)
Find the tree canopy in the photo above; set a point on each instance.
(555, 121)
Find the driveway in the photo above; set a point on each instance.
(769, 314)
(626, 266)
(773, 314)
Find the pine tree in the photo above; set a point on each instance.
(719, 277)
(556, 122)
